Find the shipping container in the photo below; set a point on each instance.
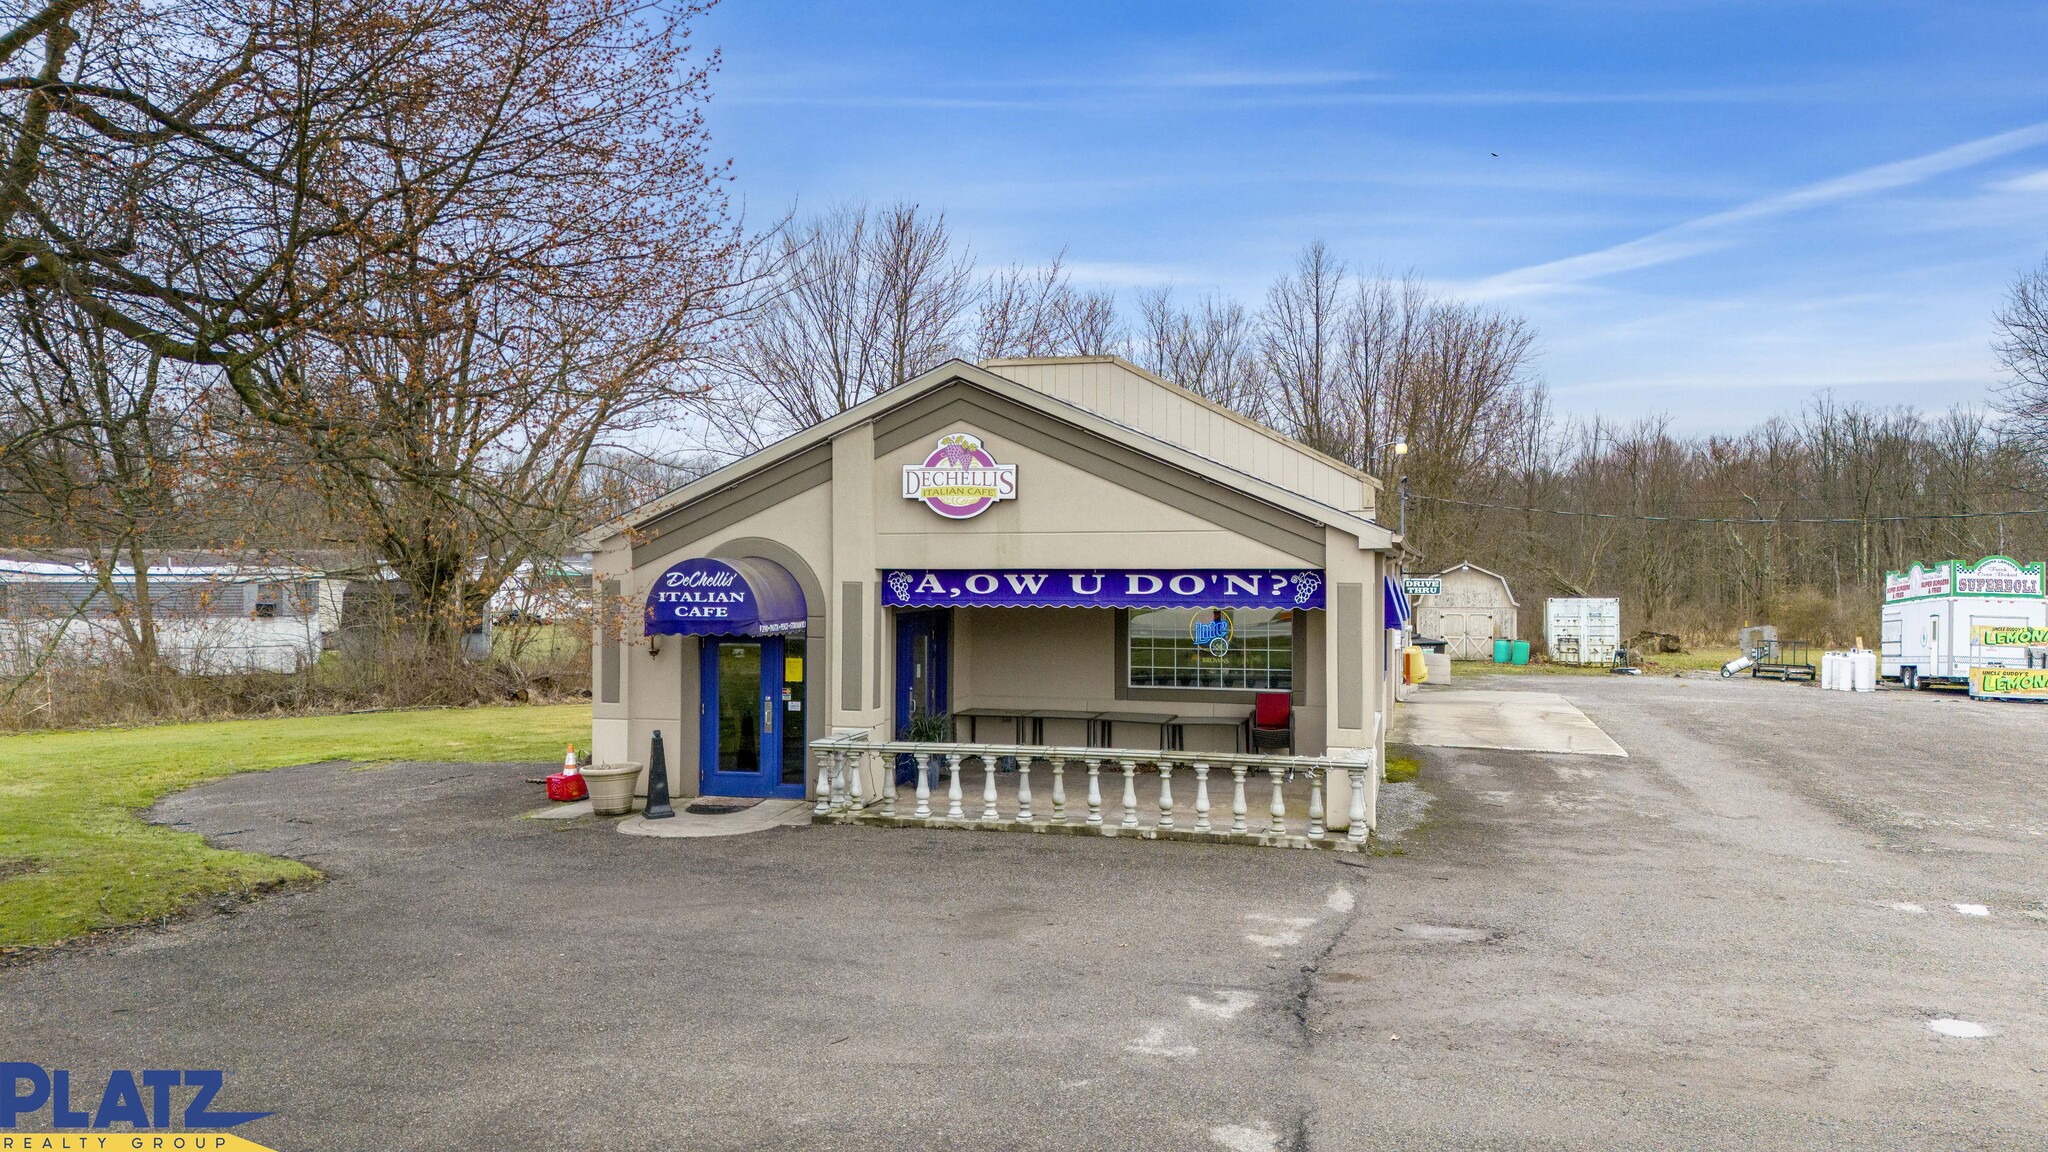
(1582, 629)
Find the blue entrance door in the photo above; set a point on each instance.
(920, 666)
(751, 718)
(921, 663)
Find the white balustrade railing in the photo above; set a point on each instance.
(846, 766)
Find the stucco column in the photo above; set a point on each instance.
(611, 571)
(856, 698)
(1351, 672)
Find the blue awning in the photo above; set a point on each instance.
(1397, 609)
(744, 597)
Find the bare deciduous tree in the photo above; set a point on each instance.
(1024, 311)
(862, 301)
(1304, 330)
(101, 441)
(1210, 349)
(486, 348)
(194, 175)
(2023, 350)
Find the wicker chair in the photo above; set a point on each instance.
(1272, 722)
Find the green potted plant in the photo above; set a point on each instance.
(929, 728)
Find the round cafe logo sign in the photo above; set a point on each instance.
(959, 480)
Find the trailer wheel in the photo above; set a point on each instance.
(1909, 679)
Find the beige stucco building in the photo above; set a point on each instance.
(1064, 551)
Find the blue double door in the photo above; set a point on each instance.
(751, 718)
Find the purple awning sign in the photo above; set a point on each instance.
(1102, 588)
(744, 597)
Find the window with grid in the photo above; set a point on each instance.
(1246, 648)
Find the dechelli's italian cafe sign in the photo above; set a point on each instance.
(959, 480)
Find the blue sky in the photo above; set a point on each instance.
(1710, 210)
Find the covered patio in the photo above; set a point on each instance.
(1163, 703)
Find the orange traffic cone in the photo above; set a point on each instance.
(569, 761)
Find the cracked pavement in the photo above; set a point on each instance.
(1738, 936)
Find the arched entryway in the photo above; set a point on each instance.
(750, 617)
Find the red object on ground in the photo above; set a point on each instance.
(567, 786)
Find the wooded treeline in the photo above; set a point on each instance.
(1794, 521)
(436, 286)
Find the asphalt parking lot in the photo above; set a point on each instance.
(1737, 936)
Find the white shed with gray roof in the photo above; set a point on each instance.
(1474, 609)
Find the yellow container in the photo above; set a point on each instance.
(1417, 671)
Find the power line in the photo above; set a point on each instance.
(2007, 490)
(1893, 519)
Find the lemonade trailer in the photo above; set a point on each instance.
(1982, 624)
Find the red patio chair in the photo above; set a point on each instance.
(1272, 722)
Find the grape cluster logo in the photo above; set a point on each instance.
(959, 480)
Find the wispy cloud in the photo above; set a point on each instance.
(1720, 229)
(1237, 78)
(2031, 182)
(1104, 274)
(1222, 88)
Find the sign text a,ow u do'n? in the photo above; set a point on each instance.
(1104, 588)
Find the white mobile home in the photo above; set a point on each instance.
(1942, 621)
(213, 614)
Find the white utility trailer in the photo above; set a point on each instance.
(1582, 629)
(1941, 621)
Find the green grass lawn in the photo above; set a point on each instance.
(75, 857)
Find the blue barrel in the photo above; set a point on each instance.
(1520, 655)
(1503, 651)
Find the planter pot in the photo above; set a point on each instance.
(611, 787)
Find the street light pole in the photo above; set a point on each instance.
(1400, 448)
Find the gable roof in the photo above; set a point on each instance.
(1122, 392)
(1369, 534)
(1470, 566)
